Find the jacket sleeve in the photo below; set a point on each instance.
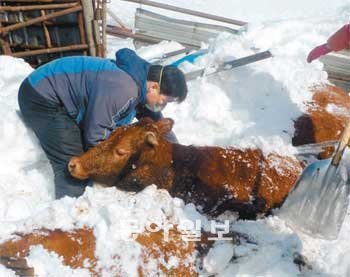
(110, 102)
(142, 111)
(340, 39)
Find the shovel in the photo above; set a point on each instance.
(318, 203)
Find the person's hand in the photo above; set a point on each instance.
(318, 52)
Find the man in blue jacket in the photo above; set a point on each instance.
(73, 103)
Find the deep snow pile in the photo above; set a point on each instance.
(251, 105)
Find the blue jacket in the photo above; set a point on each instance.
(99, 94)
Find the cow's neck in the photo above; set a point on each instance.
(184, 156)
(185, 167)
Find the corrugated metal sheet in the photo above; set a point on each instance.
(189, 33)
(337, 65)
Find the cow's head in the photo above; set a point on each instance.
(109, 158)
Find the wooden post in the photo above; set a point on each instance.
(18, 265)
(46, 31)
(5, 47)
(81, 30)
(88, 19)
(104, 26)
(188, 11)
(39, 19)
(34, 1)
(97, 36)
(51, 50)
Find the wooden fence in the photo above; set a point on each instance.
(42, 30)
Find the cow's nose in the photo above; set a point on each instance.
(73, 166)
(76, 169)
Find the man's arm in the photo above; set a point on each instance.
(107, 105)
(336, 42)
(340, 39)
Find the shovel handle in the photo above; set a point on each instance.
(344, 141)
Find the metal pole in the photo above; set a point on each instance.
(188, 11)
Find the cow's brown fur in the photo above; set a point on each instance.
(214, 178)
(318, 124)
(77, 247)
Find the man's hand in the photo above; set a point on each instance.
(318, 52)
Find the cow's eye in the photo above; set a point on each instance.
(121, 152)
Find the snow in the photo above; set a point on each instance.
(50, 264)
(253, 105)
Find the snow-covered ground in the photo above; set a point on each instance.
(252, 105)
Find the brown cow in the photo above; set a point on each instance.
(77, 247)
(214, 178)
(325, 118)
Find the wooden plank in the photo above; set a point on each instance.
(6, 50)
(46, 31)
(13, 262)
(188, 11)
(47, 23)
(4, 30)
(27, 46)
(35, 1)
(103, 26)
(98, 38)
(50, 50)
(117, 19)
(36, 7)
(81, 30)
(232, 64)
(18, 265)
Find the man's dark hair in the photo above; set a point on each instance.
(173, 81)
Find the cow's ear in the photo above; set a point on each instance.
(151, 138)
(165, 125)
